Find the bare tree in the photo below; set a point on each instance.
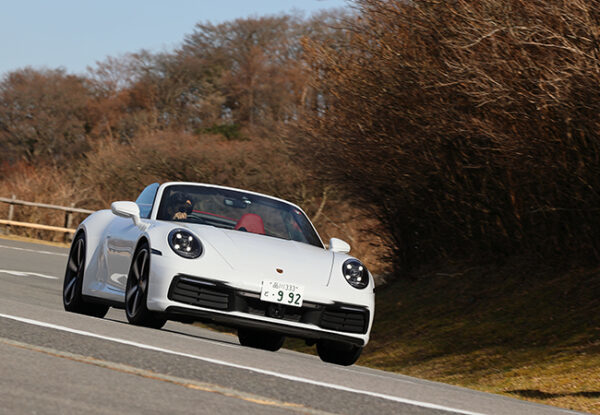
(42, 113)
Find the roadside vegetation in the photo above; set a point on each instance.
(455, 145)
(521, 329)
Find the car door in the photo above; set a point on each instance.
(121, 239)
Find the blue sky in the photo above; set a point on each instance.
(74, 34)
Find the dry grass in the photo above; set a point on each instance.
(518, 330)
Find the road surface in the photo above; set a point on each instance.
(52, 361)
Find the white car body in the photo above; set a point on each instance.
(232, 262)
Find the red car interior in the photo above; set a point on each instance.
(251, 222)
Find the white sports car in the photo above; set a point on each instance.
(189, 251)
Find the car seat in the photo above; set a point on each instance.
(250, 222)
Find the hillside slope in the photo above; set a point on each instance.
(516, 329)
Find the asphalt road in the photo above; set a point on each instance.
(52, 361)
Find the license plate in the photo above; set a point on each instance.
(282, 293)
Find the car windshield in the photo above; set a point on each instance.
(238, 210)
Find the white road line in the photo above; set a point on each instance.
(27, 274)
(249, 368)
(35, 251)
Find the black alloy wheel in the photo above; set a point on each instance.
(73, 282)
(259, 339)
(136, 292)
(344, 354)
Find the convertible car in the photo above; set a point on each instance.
(198, 252)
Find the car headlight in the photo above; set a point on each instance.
(355, 273)
(184, 244)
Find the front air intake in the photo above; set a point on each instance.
(343, 319)
(198, 292)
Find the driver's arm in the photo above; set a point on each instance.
(180, 216)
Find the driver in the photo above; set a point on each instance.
(181, 205)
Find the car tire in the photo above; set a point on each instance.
(344, 354)
(136, 291)
(259, 339)
(73, 282)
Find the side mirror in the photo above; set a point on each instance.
(127, 210)
(337, 245)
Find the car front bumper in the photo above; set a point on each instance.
(189, 297)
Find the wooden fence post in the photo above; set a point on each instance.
(11, 213)
(68, 223)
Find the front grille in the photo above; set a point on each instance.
(200, 293)
(342, 319)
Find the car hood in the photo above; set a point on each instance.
(260, 257)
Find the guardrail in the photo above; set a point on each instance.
(66, 229)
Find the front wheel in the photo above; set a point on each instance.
(73, 282)
(260, 339)
(136, 292)
(344, 354)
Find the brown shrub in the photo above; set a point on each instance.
(42, 184)
(119, 171)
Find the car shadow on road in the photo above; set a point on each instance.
(233, 341)
(538, 394)
(212, 339)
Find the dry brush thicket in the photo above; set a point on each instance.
(471, 128)
(468, 129)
